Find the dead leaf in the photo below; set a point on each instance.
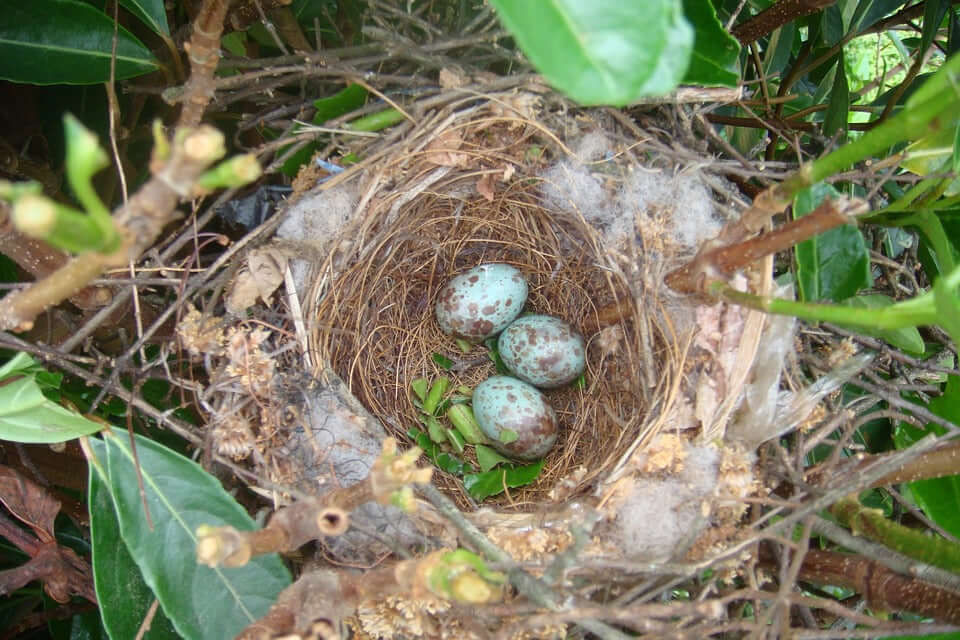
(258, 279)
(451, 78)
(485, 186)
(442, 150)
(29, 502)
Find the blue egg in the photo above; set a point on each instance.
(481, 302)
(543, 350)
(515, 417)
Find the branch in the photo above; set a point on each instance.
(328, 515)
(774, 17)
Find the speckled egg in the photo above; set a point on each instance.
(515, 416)
(542, 350)
(481, 302)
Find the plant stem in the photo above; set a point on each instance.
(871, 523)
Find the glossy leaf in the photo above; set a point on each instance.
(26, 415)
(65, 42)
(124, 597)
(907, 339)
(490, 483)
(713, 60)
(202, 602)
(603, 51)
(835, 119)
(938, 497)
(833, 265)
(150, 12)
(442, 361)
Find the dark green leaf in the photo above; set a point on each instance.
(490, 483)
(488, 457)
(835, 119)
(202, 603)
(493, 352)
(956, 151)
(442, 361)
(715, 52)
(65, 42)
(832, 25)
(833, 265)
(151, 12)
(877, 10)
(939, 497)
(933, 13)
(603, 51)
(907, 338)
(452, 464)
(340, 103)
(123, 595)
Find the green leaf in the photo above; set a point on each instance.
(508, 435)
(340, 103)
(150, 12)
(123, 595)
(420, 386)
(65, 42)
(442, 361)
(26, 415)
(715, 52)
(435, 395)
(202, 602)
(836, 117)
(947, 304)
(490, 483)
(488, 457)
(833, 265)
(603, 51)
(493, 352)
(456, 440)
(906, 338)
(939, 498)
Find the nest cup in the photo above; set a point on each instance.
(375, 323)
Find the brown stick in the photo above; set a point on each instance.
(774, 17)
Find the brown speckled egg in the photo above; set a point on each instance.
(515, 416)
(543, 350)
(481, 302)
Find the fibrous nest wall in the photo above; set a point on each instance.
(459, 202)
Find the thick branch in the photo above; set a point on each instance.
(774, 17)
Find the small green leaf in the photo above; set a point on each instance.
(715, 52)
(340, 103)
(452, 464)
(202, 602)
(123, 595)
(420, 387)
(435, 395)
(508, 435)
(456, 440)
(603, 51)
(151, 12)
(66, 42)
(906, 338)
(437, 433)
(464, 345)
(490, 483)
(493, 352)
(442, 361)
(834, 265)
(26, 415)
(488, 457)
(461, 415)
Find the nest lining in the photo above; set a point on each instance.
(376, 326)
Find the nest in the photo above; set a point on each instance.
(461, 200)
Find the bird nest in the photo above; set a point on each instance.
(467, 192)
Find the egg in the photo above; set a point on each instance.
(515, 417)
(481, 302)
(542, 350)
